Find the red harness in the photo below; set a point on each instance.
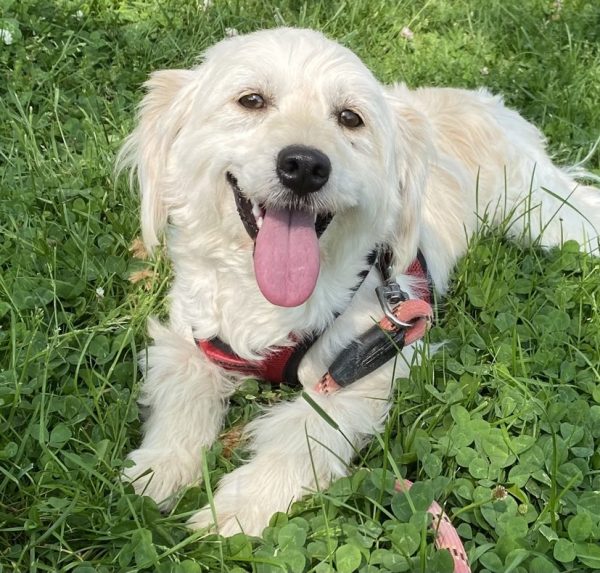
(272, 368)
(418, 269)
(280, 364)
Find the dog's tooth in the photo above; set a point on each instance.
(259, 222)
(256, 211)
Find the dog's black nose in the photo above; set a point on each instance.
(303, 169)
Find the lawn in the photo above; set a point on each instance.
(502, 426)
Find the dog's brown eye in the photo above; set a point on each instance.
(348, 118)
(252, 101)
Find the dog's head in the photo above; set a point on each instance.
(283, 145)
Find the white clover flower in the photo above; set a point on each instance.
(207, 4)
(6, 36)
(484, 71)
(231, 32)
(100, 292)
(79, 14)
(407, 33)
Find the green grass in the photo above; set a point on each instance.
(502, 426)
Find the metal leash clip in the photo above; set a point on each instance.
(390, 295)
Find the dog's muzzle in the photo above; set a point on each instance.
(252, 214)
(286, 235)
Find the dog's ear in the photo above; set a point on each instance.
(413, 155)
(161, 115)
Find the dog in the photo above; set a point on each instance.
(276, 166)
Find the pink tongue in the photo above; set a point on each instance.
(286, 257)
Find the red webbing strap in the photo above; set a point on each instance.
(418, 269)
(271, 368)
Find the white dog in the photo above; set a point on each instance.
(245, 159)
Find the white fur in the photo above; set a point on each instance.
(425, 168)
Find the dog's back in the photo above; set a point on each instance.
(490, 164)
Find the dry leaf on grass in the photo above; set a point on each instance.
(145, 275)
(138, 249)
(231, 439)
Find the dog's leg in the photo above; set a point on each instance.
(296, 448)
(186, 398)
(566, 211)
(543, 202)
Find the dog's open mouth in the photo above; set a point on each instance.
(286, 247)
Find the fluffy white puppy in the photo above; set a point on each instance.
(244, 159)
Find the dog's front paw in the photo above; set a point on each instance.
(245, 501)
(160, 474)
(227, 524)
(228, 519)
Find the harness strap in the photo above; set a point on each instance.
(280, 364)
(418, 268)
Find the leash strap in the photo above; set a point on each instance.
(405, 321)
(361, 357)
(446, 536)
(378, 345)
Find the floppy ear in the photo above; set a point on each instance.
(161, 114)
(413, 154)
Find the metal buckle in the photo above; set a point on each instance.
(390, 294)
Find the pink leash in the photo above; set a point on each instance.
(446, 536)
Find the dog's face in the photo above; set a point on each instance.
(280, 144)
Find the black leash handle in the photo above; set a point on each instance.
(364, 355)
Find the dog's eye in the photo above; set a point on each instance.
(252, 101)
(349, 118)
